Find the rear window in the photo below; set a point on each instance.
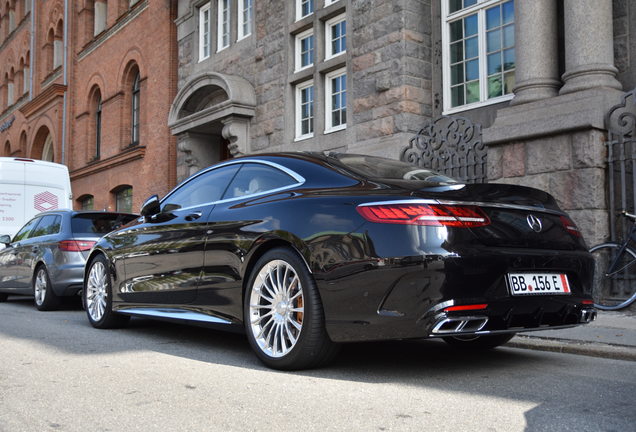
(98, 224)
(380, 168)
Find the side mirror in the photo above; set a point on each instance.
(151, 206)
(5, 239)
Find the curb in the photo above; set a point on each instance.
(568, 346)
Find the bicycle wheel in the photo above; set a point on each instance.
(616, 290)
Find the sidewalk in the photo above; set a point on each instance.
(612, 335)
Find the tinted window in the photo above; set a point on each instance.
(26, 230)
(381, 168)
(50, 224)
(206, 188)
(98, 224)
(257, 178)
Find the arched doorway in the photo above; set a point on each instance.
(210, 117)
(43, 145)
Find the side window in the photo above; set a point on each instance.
(50, 224)
(206, 188)
(24, 232)
(257, 178)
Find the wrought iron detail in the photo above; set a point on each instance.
(451, 146)
(620, 122)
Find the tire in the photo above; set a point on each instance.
(479, 342)
(44, 297)
(283, 314)
(3, 297)
(616, 291)
(97, 296)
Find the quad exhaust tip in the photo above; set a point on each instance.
(460, 325)
(588, 315)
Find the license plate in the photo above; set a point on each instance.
(538, 283)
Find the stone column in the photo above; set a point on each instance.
(589, 46)
(537, 69)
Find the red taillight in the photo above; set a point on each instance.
(425, 214)
(587, 302)
(466, 307)
(75, 245)
(570, 226)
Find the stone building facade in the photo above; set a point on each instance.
(538, 76)
(88, 85)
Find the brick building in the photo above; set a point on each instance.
(124, 79)
(33, 78)
(89, 84)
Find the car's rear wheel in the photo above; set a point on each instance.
(43, 296)
(97, 296)
(479, 342)
(283, 314)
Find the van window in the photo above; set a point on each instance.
(23, 234)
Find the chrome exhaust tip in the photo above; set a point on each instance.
(587, 315)
(459, 325)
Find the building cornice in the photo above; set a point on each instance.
(44, 98)
(128, 155)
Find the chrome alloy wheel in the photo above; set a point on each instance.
(40, 287)
(276, 308)
(96, 291)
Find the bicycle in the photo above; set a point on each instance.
(614, 271)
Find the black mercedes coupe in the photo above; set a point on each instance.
(304, 251)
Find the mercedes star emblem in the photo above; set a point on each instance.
(534, 223)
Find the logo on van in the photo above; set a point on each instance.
(45, 201)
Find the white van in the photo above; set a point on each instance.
(28, 187)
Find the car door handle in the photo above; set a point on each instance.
(193, 216)
(35, 249)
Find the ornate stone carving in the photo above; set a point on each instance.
(236, 131)
(451, 146)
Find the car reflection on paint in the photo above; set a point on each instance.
(305, 251)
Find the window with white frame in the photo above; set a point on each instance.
(336, 100)
(204, 32)
(336, 36)
(304, 8)
(305, 110)
(328, 2)
(478, 52)
(304, 49)
(223, 25)
(245, 18)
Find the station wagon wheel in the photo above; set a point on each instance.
(283, 314)
(43, 296)
(474, 342)
(97, 296)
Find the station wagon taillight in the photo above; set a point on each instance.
(460, 216)
(75, 245)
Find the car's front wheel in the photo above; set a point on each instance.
(283, 314)
(43, 296)
(479, 342)
(97, 296)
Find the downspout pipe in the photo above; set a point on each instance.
(65, 81)
(32, 50)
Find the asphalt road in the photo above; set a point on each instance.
(59, 374)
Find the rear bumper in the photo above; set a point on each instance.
(403, 298)
(67, 280)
